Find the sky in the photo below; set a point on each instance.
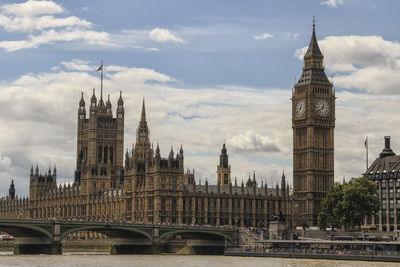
(210, 72)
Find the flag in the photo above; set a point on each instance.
(101, 67)
(366, 142)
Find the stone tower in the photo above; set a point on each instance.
(313, 123)
(224, 169)
(11, 190)
(100, 141)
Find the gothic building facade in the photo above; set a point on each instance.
(313, 123)
(147, 188)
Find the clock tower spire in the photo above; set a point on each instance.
(313, 123)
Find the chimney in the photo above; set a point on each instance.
(387, 151)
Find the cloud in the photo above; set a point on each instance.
(251, 141)
(52, 36)
(364, 63)
(77, 64)
(262, 36)
(35, 18)
(290, 35)
(32, 8)
(332, 3)
(161, 35)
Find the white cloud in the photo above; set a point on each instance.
(77, 64)
(290, 35)
(162, 35)
(332, 3)
(36, 19)
(52, 36)
(32, 8)
(365, 63)
(251, 141)
(262, 36)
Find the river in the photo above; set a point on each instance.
(86, 259)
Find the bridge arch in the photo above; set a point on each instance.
(22, 230)
(109, 230)
(196, 232)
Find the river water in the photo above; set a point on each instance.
(87, 259)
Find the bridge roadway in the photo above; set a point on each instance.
(45, 236)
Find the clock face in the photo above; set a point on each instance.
(300, 108)
(322, 107)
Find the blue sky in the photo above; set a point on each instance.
(210, 71)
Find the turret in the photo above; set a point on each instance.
(55, 172)
(223, 169)
(120, 108)
(108, 105)
(93, 102)
(31, 175)
(11, 191)
(82, 109)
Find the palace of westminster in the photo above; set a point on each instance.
(145, 187)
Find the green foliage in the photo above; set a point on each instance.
(346, 205)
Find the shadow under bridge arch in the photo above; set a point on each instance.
(35, 234)
(119, 234)
(197, 234)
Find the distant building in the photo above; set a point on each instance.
(385, 171)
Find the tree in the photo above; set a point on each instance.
(332, 208)
(348, 204)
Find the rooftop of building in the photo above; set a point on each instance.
(386, 166)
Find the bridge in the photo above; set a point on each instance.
(45, 236)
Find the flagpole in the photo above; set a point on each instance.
(101, 86)
(366, 141)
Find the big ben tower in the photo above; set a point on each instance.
(313, 123)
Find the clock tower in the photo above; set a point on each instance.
(313, 123)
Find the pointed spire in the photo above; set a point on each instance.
(181, 151)
(37, 169)
(223, 158)
(235, 181)
(93, 99)
(143, 117)
(313, 50)
(171, 153)
(120, 101)
(254, 176)
(82, 101)
(108, 101)
(158, 150)
(49, 171)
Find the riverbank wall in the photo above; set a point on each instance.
(315, 256)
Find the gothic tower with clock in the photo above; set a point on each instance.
(313, 123)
